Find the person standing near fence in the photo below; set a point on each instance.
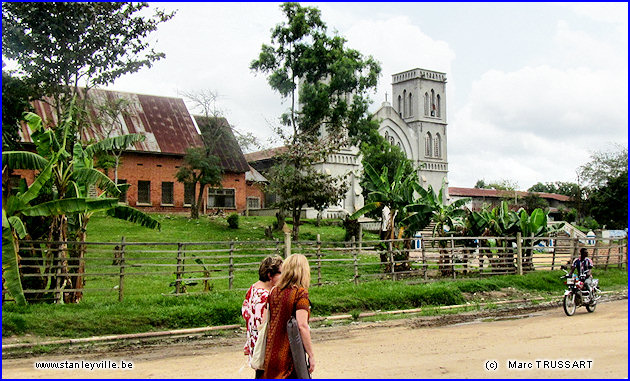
(255, 301)
(288, 298)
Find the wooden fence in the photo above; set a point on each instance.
(183, 268)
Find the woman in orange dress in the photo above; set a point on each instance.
(288, 298)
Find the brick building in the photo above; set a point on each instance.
(150, 166)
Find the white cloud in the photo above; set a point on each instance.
(604, 12)
(399, 45)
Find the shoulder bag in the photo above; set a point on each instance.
(297, 347)
(258, 356)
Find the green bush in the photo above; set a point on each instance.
(232, 221)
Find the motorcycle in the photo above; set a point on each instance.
(577, 295)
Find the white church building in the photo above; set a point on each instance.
(415, 122)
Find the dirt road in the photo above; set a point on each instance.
(399, 349)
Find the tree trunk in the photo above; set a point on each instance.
(280, 218)
(296, 223)
(79, 281)
(194, 209)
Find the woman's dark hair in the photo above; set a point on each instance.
(269, 267)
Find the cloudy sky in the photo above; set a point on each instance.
(532, 89)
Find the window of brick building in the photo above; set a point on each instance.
(253, 203)
(221, 198)
(144, 192)
(189, 194)
(167, 193)
(123, 193)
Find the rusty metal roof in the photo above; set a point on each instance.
(479, 192)
(265, 154)
(222, 143)
(165, 122)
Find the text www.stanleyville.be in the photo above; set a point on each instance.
(85, 365)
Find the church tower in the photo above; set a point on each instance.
(416, 122)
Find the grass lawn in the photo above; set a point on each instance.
(148, 306)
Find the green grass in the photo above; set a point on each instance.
(155, 312)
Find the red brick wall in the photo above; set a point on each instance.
(255, 190)
(136, 167)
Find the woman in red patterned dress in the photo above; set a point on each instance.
(256, 301)
(289, 297)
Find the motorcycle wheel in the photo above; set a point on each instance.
(591, 307)
(568, 303)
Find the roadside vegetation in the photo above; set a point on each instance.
(155, 312)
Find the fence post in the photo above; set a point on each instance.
(519, 253)
(354, 256)
(424, 260)
(360, 249)
(231, 270)
(607, 257)
(620, 251)
(453, 258)
(390, 248)
(121, 280)
(178, 273)
(553, 256)
(287, 243)
(319, 260)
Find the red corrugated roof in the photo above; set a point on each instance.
(477, 192)
(165, 122)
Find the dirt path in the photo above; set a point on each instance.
(396, 349)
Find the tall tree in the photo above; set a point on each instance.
(604, 165)
(327, 87)
(608, 203)
(16, 94)
(62, 46)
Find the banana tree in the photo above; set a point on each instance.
(534, 225)
(447, 217)
(406, 212)
(15, 207)
(71, 177)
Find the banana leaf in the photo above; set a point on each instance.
(23, 160)
(114, 143)
(127, 213)
(70, 205)
(91, 176)
(10, 270)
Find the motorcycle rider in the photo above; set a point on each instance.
(584, 265)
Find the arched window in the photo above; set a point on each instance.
(437, 149)
(438, 106)
(426, 103)
(410, 105)
(428, 141)
(399, 106)
(404, 99)
(432, 102)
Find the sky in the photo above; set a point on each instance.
(533, 89)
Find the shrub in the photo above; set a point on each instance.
(232, 221)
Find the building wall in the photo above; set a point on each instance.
(253, 189)
(135, 167)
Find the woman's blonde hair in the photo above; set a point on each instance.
(295, 272)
